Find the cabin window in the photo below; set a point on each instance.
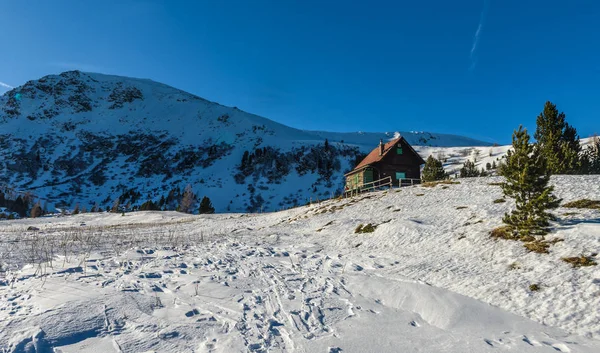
(400, 175)
(399, 150)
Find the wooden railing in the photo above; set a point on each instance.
(371, 186)
(408, 182)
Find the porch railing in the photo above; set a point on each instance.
(370, 186)
(408, 182)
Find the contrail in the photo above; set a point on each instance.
(482, 16)
(2, 84)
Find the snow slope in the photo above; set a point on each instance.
(88, 138)
(428, 279)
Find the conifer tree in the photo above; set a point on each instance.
(527, 177)
(188, 200)
(206, 206)
(433, 170)
(115, 206)
(36, 211)
(469, 170)
(558, 141)
(591, 157)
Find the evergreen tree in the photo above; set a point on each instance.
(527, 177)
(558, 141)
(115, 206)
(206, 206)
(433, 170)
(469, 170)
(188, 200)
(19, 207)
(590, 161)
(76, 209)
(494, 165)
(36, 210)
(488, 166)
(149, 206)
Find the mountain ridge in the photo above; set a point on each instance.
(91, 138)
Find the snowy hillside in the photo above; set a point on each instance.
(428, 279)
(92, 138)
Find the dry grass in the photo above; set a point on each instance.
(431, 184)
(495, 184)
(534, 287)
(323, 227)
(514, 266)
(570, 214)
(368, 228)
(499, 200)
(461, 207)
(419, 194)
(538, 246)
(583, 203)
(504, 232)
(580, 261)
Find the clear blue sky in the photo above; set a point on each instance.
(476, 68)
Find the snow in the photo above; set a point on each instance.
(428, 279)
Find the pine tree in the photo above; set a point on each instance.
(188, 200)
(115, 206)
(76, 209)
(590, 161)
(488, 166)
(36, 211)
(527, 177)
(206, 206)
(149, 206)
(469, 170)
(558, 141)
(433, 170)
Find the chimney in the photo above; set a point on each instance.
(381, 147)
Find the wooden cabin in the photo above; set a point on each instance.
(396, 159)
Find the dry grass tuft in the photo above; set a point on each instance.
(368, 228)
(431, 184)
(534, 287)
(583, 203)
(499, 200)
(580, 261)
(514, 266)
(504, 232)
(538, 246)
(461, 207)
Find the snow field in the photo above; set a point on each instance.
(303, 281)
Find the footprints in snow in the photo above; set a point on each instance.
(500, 342)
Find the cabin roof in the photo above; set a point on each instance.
(374, 157)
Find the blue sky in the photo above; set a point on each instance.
(476, 68)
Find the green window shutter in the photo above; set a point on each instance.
(399, 150)
(400, 175)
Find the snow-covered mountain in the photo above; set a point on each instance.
(91, 138)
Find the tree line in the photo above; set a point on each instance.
(557, 142)
(527, 168)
